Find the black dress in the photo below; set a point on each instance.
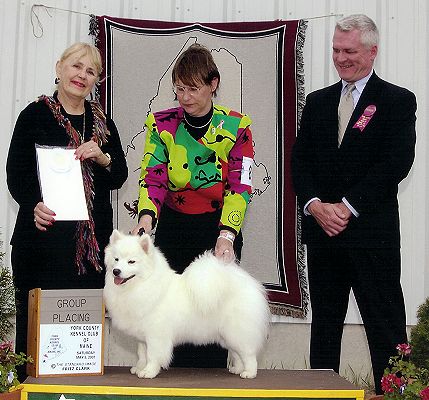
(46, 260)
(198, 233)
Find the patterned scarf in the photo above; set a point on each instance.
(86, 242)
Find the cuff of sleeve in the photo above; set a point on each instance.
(350, 207)
(228, 228)
(306, 212)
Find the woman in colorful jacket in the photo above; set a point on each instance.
(196, 170)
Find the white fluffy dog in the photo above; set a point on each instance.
(211, 302)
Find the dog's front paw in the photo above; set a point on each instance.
(149, 372)
(248, 374)
(235, 369)
(138, 367)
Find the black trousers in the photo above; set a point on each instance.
(50, 267)
(181, 238)
(374, 276)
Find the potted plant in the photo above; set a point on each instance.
(407, 378)
(9, 360)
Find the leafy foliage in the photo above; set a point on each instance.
(404, 380)
(8, 363)
(7, 301)
(420, 337)
(9, 360)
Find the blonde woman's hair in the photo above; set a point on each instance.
(88, 50)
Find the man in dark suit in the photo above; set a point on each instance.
(347, 186)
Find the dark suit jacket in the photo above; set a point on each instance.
(366, 169)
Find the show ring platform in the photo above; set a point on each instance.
(118, 384)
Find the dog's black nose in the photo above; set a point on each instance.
(116, 272)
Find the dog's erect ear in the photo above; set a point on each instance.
(146, 243)
(116, 235)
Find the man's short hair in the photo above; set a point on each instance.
(361, 22)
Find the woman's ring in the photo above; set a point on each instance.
(90, 149)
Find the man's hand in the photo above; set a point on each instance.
(332, 218)
(345, 210)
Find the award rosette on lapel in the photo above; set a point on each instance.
(363, 120)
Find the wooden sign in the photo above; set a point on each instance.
(65, 332)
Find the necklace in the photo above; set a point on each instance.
(82, 135)
(197, 127)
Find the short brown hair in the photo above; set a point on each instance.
(194, 66)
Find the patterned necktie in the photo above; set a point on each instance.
(345, 110)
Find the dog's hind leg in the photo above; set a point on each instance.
(250, 365)
(235, 365)
(141, 354)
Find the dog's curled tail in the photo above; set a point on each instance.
(207, 281)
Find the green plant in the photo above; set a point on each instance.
(9, 360)
(420, 337)
(362, 380)
(7, 303)
(404, 380)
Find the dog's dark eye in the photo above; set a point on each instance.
(131, 262)
(116, 259)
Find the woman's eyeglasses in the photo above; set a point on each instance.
(180, 91)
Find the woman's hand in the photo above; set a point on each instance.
(43, 216)
(92, 151)
(224, 249)
(144, 225)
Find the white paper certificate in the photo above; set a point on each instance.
(61, 182)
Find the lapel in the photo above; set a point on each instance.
(369, 97)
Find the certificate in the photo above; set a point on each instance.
(61, 183)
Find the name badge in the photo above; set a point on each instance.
(246, 171)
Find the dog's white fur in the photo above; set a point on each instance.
(211, 302)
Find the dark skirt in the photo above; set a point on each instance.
(45, 267)
(181, 238)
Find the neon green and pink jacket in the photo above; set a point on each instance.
(195, 177)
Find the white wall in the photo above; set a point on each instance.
(30, 44)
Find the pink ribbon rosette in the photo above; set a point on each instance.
(364, 119)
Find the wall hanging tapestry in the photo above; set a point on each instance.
(261, 75)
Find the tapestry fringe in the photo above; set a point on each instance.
(94, 32)
(277, 309)
(300, 76)
(94, 29)
(286, 311)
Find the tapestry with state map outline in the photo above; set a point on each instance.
(261, 69)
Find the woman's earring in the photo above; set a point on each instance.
(57, 81)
